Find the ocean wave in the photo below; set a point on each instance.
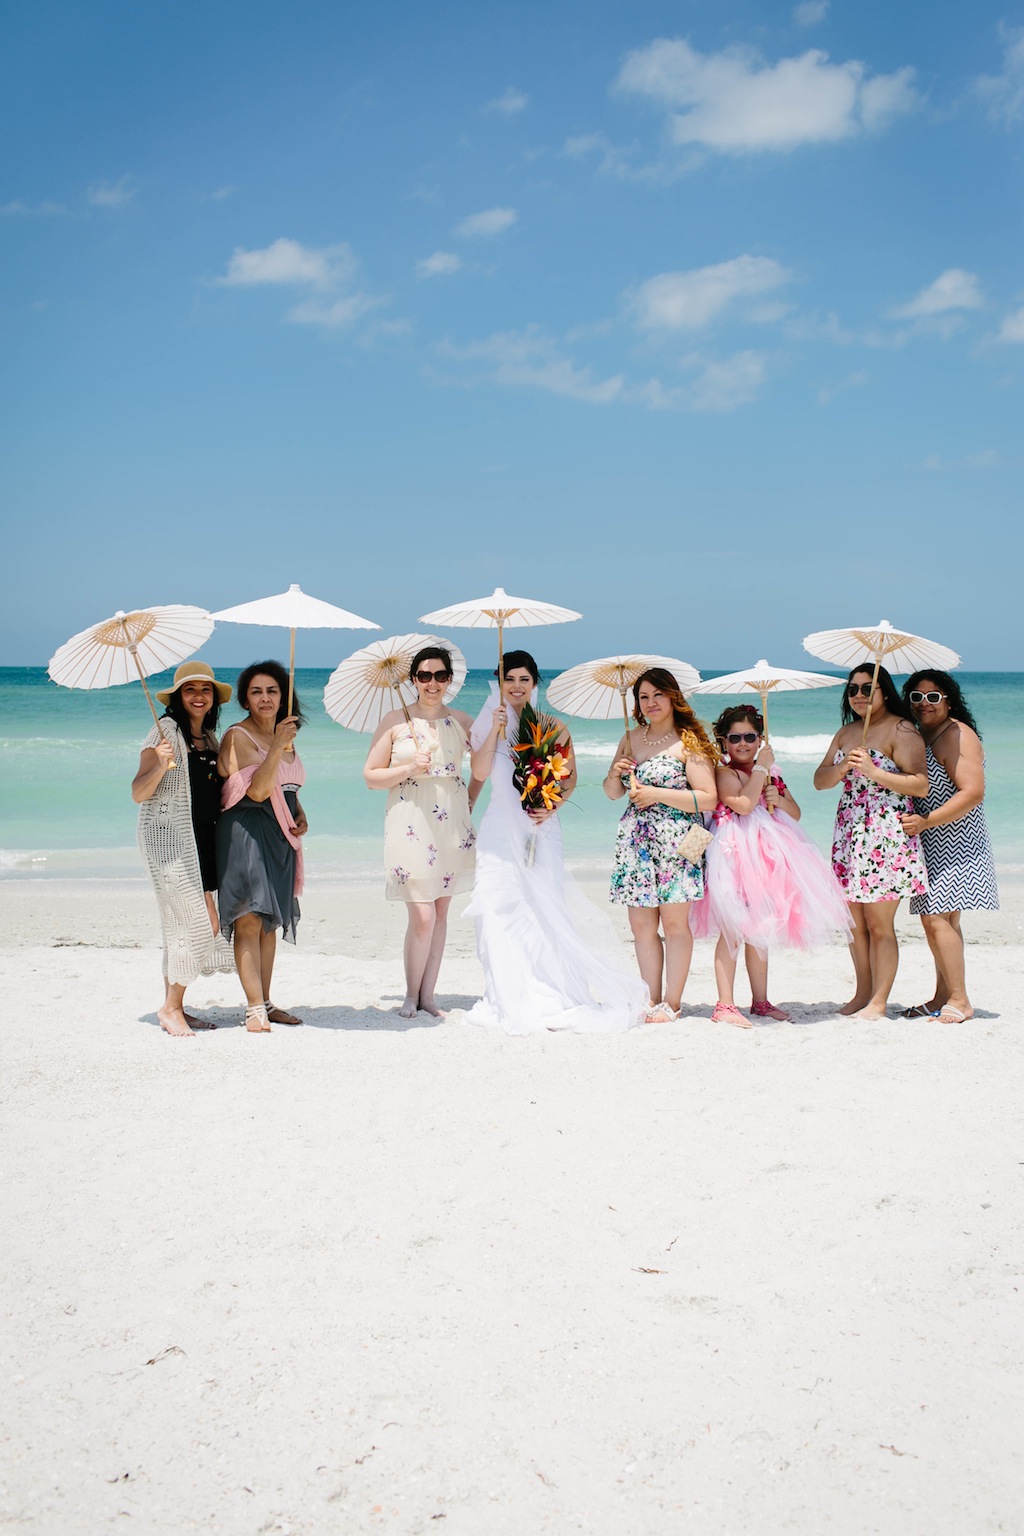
(77, 862)
(788, 749)
(41, 746)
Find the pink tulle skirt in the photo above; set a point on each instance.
(768, 885)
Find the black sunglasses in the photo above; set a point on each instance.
(927, 698)
(432, 677)
(747, 736)
(853, 689)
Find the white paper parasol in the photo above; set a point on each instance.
(500, 612)
(595, 690)
(762, 678)
(131, 646)
(879, 643)
(362, 689)
(294, 610)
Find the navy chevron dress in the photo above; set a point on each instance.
(961, 870)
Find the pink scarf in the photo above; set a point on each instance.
(236, 787)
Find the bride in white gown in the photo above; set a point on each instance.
(548, 955)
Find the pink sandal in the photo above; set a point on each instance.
(726, 1013)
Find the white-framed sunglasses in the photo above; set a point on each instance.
(933, 697)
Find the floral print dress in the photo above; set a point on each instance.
(428, 832)
(649, 871)
(872, 857)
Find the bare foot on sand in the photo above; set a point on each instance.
(432, 1008)
(174, 1022)
(871, 1013)
(410, 1008)
(854, 1006)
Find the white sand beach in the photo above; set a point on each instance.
(368, 1275)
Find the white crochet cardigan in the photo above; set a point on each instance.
(168, 847)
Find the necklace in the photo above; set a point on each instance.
(658, 739)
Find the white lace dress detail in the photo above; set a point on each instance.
(168, 846)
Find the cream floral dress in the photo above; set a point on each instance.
(428, 833)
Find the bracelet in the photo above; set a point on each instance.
(760, 768)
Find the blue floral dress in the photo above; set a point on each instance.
(872, 857)
(428, 832)
(649, 871)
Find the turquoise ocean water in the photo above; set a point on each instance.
(68, 759)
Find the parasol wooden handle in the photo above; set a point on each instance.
(501, 674)
(764, 717)
(134, 650)
(874, 685)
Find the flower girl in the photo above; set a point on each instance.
(767, 882)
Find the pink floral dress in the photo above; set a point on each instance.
(872, 857)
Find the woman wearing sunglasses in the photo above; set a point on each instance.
(428, 831)
(874, 859)
(768, 884)
(950, 820)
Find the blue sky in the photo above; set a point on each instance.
(706, 319)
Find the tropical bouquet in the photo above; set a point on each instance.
(540, 765)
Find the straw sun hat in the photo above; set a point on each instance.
(195, 672)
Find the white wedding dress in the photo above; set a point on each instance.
(551, 960)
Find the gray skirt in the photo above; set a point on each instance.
(256, 867)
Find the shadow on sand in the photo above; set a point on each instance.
(336, 1017)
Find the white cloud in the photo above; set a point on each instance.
(986, 458)
(626, 162)
(492, 221)
(509, 102)
(1012, 328)
(579, 144)
(686, 301)
(827, 393)
(952, 290)
(288, 262)
(333, 315)
(533, 359)
(20, 210)
(809, 12)
(734, 102)
(1003, 94)
(441, 264)
(112, 194)
(722, 384)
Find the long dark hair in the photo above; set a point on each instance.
(890, 695)
(692, 732)
(183, 720)
(275, 670)
(513, 659)
(958, 709)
